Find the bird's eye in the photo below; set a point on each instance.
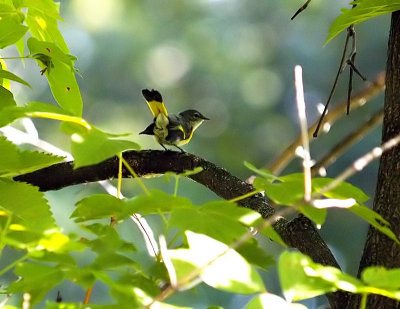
(196, 115)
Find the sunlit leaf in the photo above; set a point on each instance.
(58, 68)
(11, 76)
(27, 205)
(382, 277)
(37, 280)
(15, 161)
(267, 300)
(375, 219)
(301, 278)
(11, 28)
(363, 10)
(91, 146)
(156, 202)
(216, 273)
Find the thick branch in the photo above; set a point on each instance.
(299, 233)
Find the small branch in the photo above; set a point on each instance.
(348, 141)
(301, 108)
(300, 9)
(358, 100)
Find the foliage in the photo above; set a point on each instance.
(362, 10)
(199, 243)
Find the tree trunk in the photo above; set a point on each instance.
(379, 249)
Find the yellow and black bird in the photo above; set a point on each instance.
(174, 130)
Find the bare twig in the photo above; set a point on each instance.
(358, 100)
(301, 108)
(300, 9)
(348, 141)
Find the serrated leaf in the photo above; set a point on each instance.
(27, 205)
(218, 274)
(98, 206)
(37, 280)
(14, 161)
(6, 99)
(91, 146)
(156, 202)
(375, 219)
(267, 300)
(108, 240)
(364, 10)
(11, 76)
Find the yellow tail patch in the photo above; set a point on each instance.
(155, 102)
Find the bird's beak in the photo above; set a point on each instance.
(204, 118)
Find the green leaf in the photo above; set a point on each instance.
(6, 99)
(219, 273)
(255, 255)
(270, 232)
(344, 190)
(267, 300)
(91, 146)
(60, 74)
(42, 20)
(26, 204)
(375, 219)
(156, 202)
(109, 260)
(232, 211)
(381, 277)
(197, 220)
(11, 28)
(315, 214)
(11, 76)
(108, 240)
(98, 206)
(266, 174)
(301, 278)
(15, 161)
(37, 280)
(364, 10)
(285, 193)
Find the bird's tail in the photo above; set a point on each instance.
(155, 102)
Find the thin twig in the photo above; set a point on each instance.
(358, 100)
(301, 108)
(347, 142)
(300, 9)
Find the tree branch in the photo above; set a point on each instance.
(358, 100)
(299, 233)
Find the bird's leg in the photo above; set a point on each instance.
(165, 148)
(182, 151)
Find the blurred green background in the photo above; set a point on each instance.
(232, 60)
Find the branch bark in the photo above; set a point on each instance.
(299, 233)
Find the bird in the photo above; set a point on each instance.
(173, 130)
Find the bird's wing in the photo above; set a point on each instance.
(155, 102)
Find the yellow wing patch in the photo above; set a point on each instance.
(155, 102)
